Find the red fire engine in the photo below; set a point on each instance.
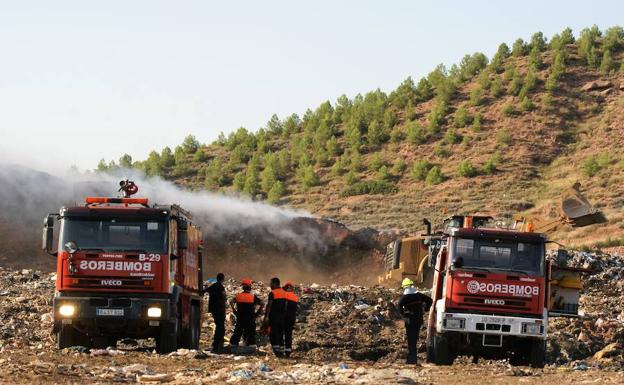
(126, 270)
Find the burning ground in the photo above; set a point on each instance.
(344, 334)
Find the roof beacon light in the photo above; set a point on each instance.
(100, 200)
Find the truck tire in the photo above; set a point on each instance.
(537, 354)
(195, 326)
(190, 334)
(441, 354)
(167, 340)
(68, 336)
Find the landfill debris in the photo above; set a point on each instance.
(343, 335)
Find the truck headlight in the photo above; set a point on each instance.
(531, 328)
(67, 310)
(154, 312)
(455, 323)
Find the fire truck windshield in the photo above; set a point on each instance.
(130, 234)
(497, 254)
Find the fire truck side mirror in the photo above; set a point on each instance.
(182, 234)
(48, 234)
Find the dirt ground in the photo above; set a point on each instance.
(344, 334)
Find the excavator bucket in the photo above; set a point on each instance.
(577, 209)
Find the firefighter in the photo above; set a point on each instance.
(217, 299)
(246, 306)
(274, 316)
(292, 303)
(411, 306)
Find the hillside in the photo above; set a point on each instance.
(490, 136)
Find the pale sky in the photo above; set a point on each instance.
(84, 80)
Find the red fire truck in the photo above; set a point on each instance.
(492, 291)
(126, 269)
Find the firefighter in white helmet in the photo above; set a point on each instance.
(412, 305)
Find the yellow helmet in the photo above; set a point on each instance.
(407, 282)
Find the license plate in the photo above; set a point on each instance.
(492, 320)
(110, 312)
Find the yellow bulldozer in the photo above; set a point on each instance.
(410, 257)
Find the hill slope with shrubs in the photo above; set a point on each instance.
(495, 136)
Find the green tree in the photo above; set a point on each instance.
(125, 161)
(398, 167)
(518, 48)
(277, 191)
(251, 186)
(190, 145)
(308, 177)
(496, 87)
(215, 174)
(336, 169)
(461, 118)
(101, 166)
(383, 174)
(415, 133)
(466, 169)
(424, 90)
(376, 162)
(405, 93)
(607, 64)
(613, 38)
(376, 134)
(451, 137)
(593, 61)
(332, 146)
(502, 53)
(508, 110)
(476, 123)
(152, 165)
(166, 157)
(535, 59)
(420, 169)
(503, 137)
(538, 41)
(526, 104)
(239, 181)
(434, 176)
(396, 135)
(586, 42)
(274, 125)
(268, 178)
(351, 178)
(515, 85)
(476, 96)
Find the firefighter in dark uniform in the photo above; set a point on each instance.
(274, 317)
(292, 303)
(246, 306)
(216, 306)
(411, 306)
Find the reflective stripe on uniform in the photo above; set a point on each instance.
(279, 293)
(244, 297)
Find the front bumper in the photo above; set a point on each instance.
(112, 315)
(491, 325)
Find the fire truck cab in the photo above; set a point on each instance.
(126, 270)
(491, 292)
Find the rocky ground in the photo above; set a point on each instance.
(344, 335)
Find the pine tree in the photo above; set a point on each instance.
(607, 63)
(277, 191)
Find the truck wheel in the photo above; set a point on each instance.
(167, 341)
(195, 326)
(537, 356)
(68, 336)
(441, 355)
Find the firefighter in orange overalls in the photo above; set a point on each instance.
(246, 306)
(292, 303)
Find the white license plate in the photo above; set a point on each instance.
(110, 312)
(493, 320)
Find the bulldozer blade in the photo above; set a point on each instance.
(589, 219)
(577, 210)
